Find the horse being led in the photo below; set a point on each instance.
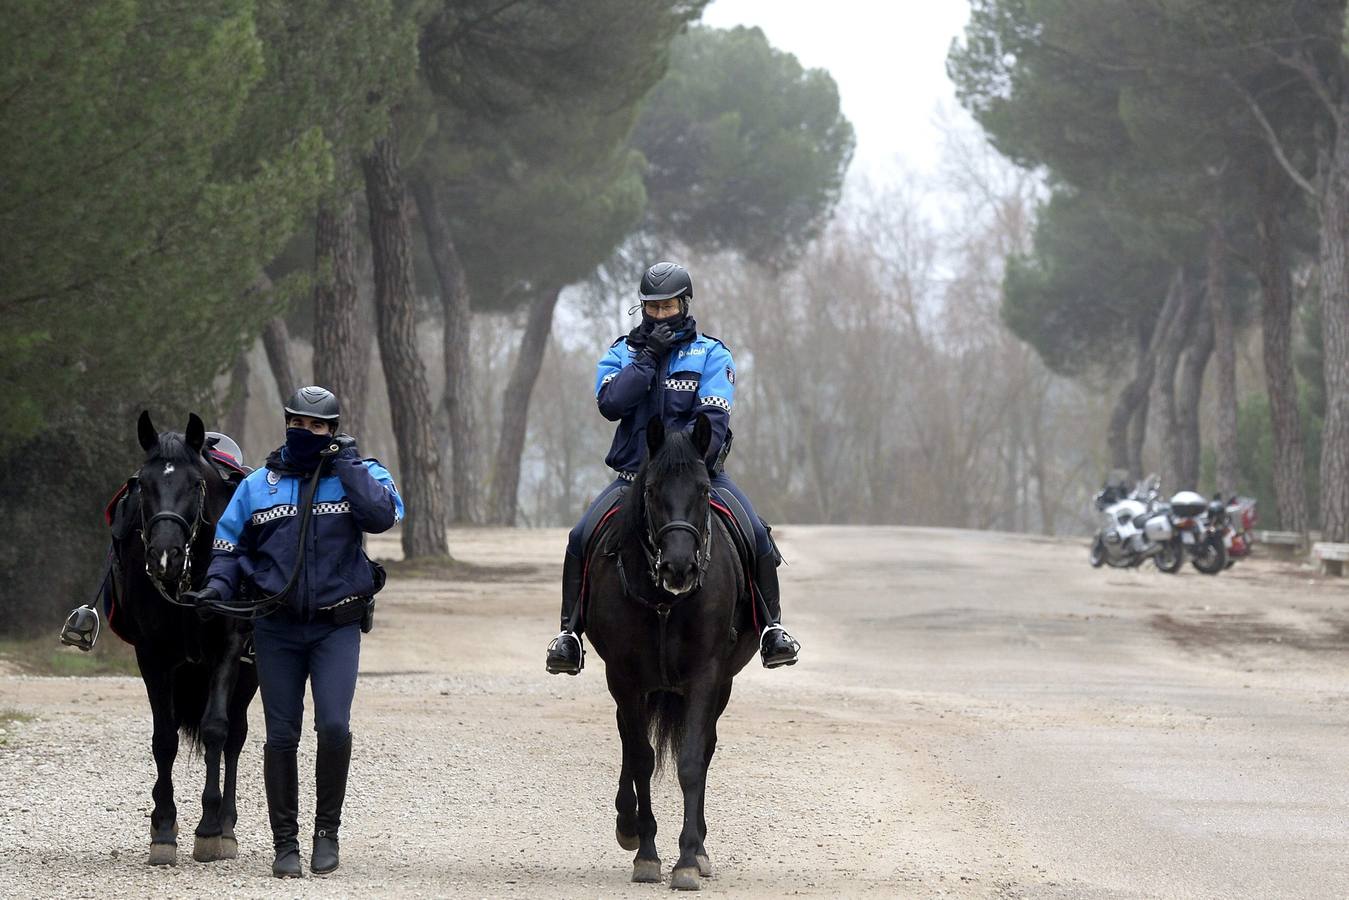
(191, 668)
(669, 613)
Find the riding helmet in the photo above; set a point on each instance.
(665, 280)
(315, 402)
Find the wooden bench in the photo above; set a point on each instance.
(1332, 557)
(1284, 544)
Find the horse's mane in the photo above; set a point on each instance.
(676, 458)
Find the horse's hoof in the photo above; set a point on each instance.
(627, 841)
(686, 878)
(646, 871)
(229, 847)
(207, 848)
(163, 854)
(704, 865)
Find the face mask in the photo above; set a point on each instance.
(303, 446)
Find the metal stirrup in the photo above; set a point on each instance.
(73, 638)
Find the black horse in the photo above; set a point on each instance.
(670, 614)
(193, 669)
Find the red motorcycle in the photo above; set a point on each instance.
(1234, 521)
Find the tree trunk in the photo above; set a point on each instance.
(341, 341)
(236, 412)
(1334, 284)
(1189, 395)
(455, 419)
(1126, 444)
(276, 341)
(1224, 337)
(1172, 344)
(1280, 382)
(515, 406)
(396, 326)
(1138, 433)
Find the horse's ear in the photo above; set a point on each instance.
(196, 432)
(655, 436)
(145, 430)
(702, 434)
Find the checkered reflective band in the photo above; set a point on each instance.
(680, 384)
(628, 476)
(327, 509)
(219, 544)
(276, 512)
(719, 402)
(608, 378)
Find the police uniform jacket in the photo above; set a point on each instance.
(630, 386)
(257, 538)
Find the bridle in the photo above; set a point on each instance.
(652, 536)
(190, 529)
(650, 542)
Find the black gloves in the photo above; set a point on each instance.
(659, 340)
(343, 445)
(202, 596)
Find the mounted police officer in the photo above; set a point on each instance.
(665, 368)
(293, 532)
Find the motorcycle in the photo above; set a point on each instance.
(1199, 529)
(1134, 528)
(1232, 521)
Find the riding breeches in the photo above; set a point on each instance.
(288, 654)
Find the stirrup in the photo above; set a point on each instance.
(792, 642)
(556, 644)
(83, 638)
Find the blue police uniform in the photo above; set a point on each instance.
(257, 541)
(697, 376)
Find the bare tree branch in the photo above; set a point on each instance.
(1272, 137)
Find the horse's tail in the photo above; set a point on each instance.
(190, 689)
(664, 712)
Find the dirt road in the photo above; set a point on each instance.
(976, 715)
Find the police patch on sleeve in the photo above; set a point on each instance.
(730, 375)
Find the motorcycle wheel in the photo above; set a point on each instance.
(1212, 557)
(1097, 557)
(1171, 557)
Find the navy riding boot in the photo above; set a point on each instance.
(330, 779)
(281, 777)
(776, 646)
(566, 653)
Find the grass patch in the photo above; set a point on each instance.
(47, 656)
(9, 720)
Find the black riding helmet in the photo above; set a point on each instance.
(665, 280)
(314, 402)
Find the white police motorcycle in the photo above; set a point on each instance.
(1135, 527)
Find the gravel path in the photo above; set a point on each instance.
(976, 715)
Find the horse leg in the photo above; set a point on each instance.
(215, 729)
(625, 828)
(639, 763)
(693, 760)
(158, 680)
(245, 686)
(705, 861)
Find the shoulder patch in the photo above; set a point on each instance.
(273, 476)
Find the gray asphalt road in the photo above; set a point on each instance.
(976, 715)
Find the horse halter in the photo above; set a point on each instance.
(651, 538)
(190, 529)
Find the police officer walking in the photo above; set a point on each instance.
(292, 536)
